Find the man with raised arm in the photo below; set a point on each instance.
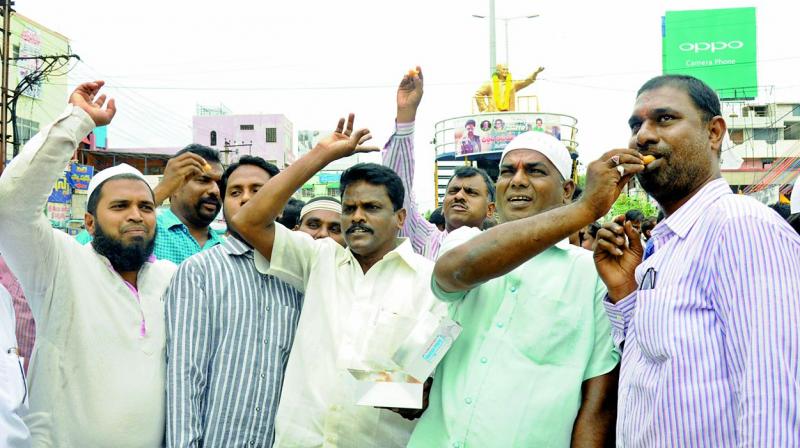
(469, 196)
(535, 363)
(378, 275)
(97, 376)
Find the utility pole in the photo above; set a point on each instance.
(4, 83)
(227, 149)
(492, 41)
(48, 66)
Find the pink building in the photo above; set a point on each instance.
(266, 136)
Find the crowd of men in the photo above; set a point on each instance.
(154, 329)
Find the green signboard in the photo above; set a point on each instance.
(715, 45)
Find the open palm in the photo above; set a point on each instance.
(344, 142)
(84, 97)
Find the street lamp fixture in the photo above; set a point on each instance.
(505, 20)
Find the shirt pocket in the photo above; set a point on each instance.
(545, 330)
(653, 322)
(287, 318)
(12, 382)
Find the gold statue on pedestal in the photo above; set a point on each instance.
(499, 94)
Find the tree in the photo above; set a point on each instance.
(627, 202)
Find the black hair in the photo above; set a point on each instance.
(470, 122)
(634, 215)
(271, 169)
(97, 193)
(437, 217)
(210, 154)
(375, 174)
(703, 96)
(290, 216)
(466, 171)
(649, 224)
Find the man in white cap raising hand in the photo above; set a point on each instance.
(98, 370)
(535, 363)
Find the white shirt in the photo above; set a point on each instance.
(95, 379)
(318, 403)
(13, 403)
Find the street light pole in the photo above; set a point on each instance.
(492, 37)
(492, 40)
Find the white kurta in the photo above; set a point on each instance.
(317, 405)
(95, 380)
(13, 403)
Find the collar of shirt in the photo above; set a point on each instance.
(170, 220)
(682, 221)
(404, 250)
(563, 244)
(236, 247)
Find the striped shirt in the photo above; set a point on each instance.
(712, 342)
(26, 327)
(229, 332)
(398, 154)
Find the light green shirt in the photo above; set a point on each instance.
(530, 338)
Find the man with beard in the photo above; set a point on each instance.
(535, 363)
(469, 196)
(377, 277)
(229, 331)
(190, 182)
(97, 375)
(706, 315)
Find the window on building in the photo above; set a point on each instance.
(770, 135)
(791, 130)
(213, 138)
(796, 110)
(333, 192)
(26, 130)
(737, 136)
(272, 135)
(308, 193)
(246, 127)
(759, 111)
(766, 163)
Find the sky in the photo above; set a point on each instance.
(314, 61)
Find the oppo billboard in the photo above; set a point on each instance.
(715, 45)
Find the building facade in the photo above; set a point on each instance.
(42, 102)
(766, 146)
(269, 136)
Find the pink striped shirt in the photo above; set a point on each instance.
(26, 327)
(398, 154)
(712, 349)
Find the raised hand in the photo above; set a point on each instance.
(344, 142)
(84, 97)
(180, 170)
(605, 178)
(409, 95)
(618, 251)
